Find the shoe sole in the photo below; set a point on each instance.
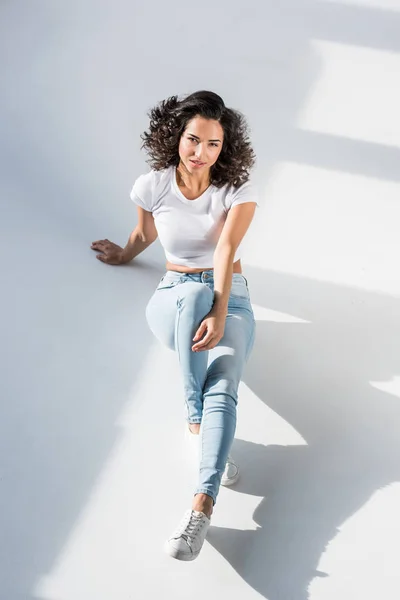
(173, 553)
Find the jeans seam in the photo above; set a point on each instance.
(251, 340)
(179, 305)
(178, 302)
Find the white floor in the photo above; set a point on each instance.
(321, 517)
(97, 473)
(94, 471)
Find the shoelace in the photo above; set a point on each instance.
(188, 529)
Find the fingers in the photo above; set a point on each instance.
(200, 332)
(109, 253)
(100, 245)
(204, 344)
(209, 346)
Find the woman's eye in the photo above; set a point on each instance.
(194, 140)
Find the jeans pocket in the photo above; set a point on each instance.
(169, 280)
(239, 287)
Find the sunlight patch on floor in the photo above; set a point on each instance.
(362, 560)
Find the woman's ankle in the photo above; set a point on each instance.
(194, 428)
(203, 503)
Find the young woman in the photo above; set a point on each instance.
(198, 200)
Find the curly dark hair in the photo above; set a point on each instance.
(168, 121)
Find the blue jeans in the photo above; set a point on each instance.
(210, 378)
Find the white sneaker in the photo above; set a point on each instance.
(231, 473)
(193, 440)
(188, 539)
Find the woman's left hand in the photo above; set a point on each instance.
(210, 332)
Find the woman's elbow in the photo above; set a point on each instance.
(147, 237)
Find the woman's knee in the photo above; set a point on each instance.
(192, 299)
(196, 297)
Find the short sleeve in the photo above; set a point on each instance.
(243, 194)
(142, 192)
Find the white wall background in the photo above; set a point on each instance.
(92, 473)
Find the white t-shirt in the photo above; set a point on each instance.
(188, 229)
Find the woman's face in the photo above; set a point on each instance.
(201, 144)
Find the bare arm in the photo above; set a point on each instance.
(142, 237)
(144, 234)
(235, 227)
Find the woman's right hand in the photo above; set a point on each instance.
(110, 252)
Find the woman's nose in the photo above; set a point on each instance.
(199, 150)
